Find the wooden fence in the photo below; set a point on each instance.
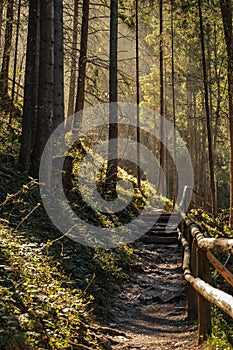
(198, 254)
(201, 202)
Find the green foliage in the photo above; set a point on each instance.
(37, 307)
(9, 135)
(115, 261)
(222, 332)
(52, 280)
(214, 227)
(168, 205)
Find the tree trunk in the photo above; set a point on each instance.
(161, 185)
(73, 61)
(226, 8)
(19, 85)
(111, 174)
(196, 138)
(15, 62)
(82, 58)
(4, 76)
(1, 20)
(30, 86)
(165, 115)
(208, 121)
(58, 108)
(173, 106)
(189, 112)
(204, 179)
(138, 98)
(218, 81)
(46, 83)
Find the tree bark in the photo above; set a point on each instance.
(218, 82)
(111, 173)
(15, 62)
(73, 61)
(226, 8)
(208, 121)
(82, 58)
(58, 108)
(138, 98)
(4, 76)
(30, 86)
(173, 106)
(161, 184)
(46, 83)
(1, 20)
(204, 191)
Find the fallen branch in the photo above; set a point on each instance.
(27, 216)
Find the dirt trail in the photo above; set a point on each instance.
(150, 312)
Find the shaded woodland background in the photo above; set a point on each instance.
(58, 57)
(170, 69)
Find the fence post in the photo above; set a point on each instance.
(204, 311)
(192, 294)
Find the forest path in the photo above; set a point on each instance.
(150, 311)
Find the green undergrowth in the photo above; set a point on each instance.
(39, 308)
(44, 272)
(213, 227)
(222, 332)
(53, 290)
(52, 294)
(9, 135)
(134, 202)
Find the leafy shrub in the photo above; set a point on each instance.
(37, 308)
(222, 332)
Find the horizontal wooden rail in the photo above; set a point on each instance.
(204, 293)
(203, 199)
(197, 254)
(221, 299)
(227, 275)
(220, 245)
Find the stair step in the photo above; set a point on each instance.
(174, 217)
(164, 228)
(160, 239)
(161, 214)
(171, 218)
(163, 222)
(162, 233)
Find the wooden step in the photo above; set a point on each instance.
(162, 218)
(164, 230)
(162, 233)
(159, 240)
(164, 227)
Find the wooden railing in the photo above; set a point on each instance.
(196, 200)
(199, 201)
(197, 256)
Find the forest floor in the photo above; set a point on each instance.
(150, 311)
